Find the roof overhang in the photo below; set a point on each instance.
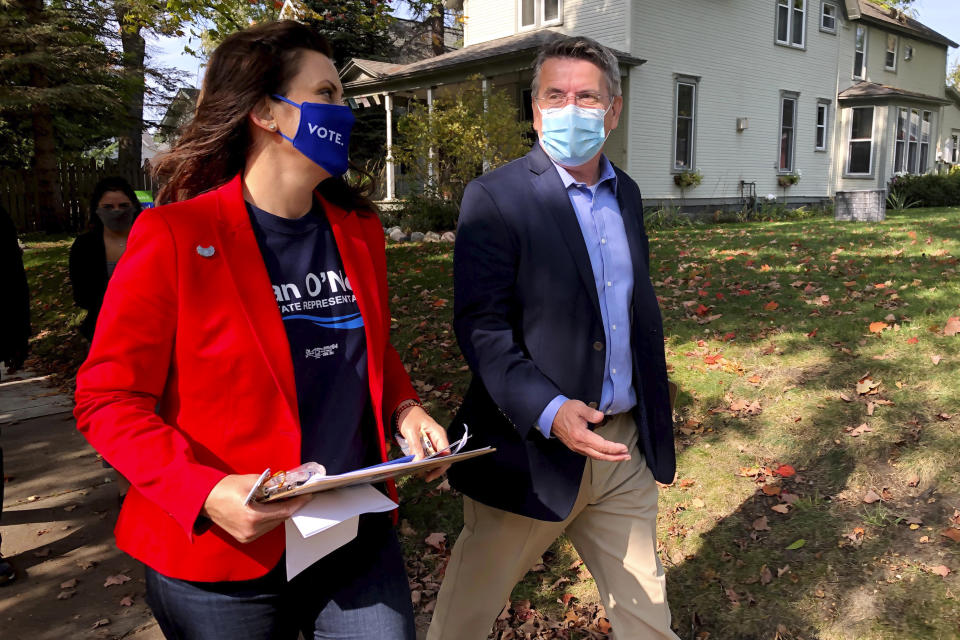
(894, 20)
(874, 93)
(503, 55)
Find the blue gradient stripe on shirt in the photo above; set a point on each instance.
(351, 321)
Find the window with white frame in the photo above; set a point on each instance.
(791, 22)
(540, 13)
(924, 142)
(911, 151)
(828, 17)
(685, 122)
(788, 131)
(823, 117)
(860, 152)
(955, 148)
(891, 59)
(860, 54)
(900, 146)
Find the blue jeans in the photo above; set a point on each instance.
(358, 592)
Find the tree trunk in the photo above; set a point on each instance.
(50, 213)
(129, 140)
(436, 28)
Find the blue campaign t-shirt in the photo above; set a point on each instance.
(325, 332)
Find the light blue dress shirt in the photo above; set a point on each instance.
(601, 224)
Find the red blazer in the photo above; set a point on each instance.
(189, 377)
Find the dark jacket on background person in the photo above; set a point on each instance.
(527, 317)
(15, 319)
(88, 275)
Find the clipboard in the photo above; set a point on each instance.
(377, 473)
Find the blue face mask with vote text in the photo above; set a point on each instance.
(323, 134)
(571, 135)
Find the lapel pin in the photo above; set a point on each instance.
(206, 252)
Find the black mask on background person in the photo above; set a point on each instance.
(116, 219)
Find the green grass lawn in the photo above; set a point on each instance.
(805, 507)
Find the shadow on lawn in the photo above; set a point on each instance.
(838, 584)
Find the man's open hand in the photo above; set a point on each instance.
(570, 427)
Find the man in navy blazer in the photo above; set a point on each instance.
(558, 320)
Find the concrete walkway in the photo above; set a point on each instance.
(60, 506)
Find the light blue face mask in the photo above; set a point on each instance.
(571, 135)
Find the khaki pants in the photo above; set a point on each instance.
(612, 526)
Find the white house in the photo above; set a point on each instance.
(842, 91)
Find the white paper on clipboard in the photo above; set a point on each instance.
(328, 522)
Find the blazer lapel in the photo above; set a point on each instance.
(242, 255)
(553, 198)
(629, 211)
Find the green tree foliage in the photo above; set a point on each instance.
(58, 89)
(463, 136)
(953, 76)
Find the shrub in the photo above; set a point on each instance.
(927, 190)
(424, 211)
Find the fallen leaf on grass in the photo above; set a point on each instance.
(69, 584)
(845, 397)
(117, 579)
(952, 327)
(760, 524)
(771, 306)
(770, 490)
(858, 431)
(796, 545)
(126, 602)
(781, 508)
(871, 497)
(867, 386)
(877, 327)
(913, 340)
(698, 503)
(766, 576)
(102, 622)
(953, 534)
(785, 471)
(940, 570)
(935, 359)
(437, 540)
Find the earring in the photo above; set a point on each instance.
(272, 126)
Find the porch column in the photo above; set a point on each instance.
(388, 106)
(430, 152)
(485, 87)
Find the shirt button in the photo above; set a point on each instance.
(598, 346)
(614, 327)
(613, 371)
(609, 284)
(603, 241)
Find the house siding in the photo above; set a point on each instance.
(488, 20)
(741, 72)
(717, 39)
(923, 73)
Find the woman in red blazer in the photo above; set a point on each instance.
(246, 327)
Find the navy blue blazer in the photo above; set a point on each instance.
(527, 318)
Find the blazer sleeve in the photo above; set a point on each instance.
(123, 378)
(486, 314)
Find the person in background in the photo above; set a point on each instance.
(14, 331)
(95, 253)
(247, 327)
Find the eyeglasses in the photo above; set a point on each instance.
(588, 99)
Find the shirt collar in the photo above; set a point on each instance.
(606, 173)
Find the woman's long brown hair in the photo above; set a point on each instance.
(247, 66)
